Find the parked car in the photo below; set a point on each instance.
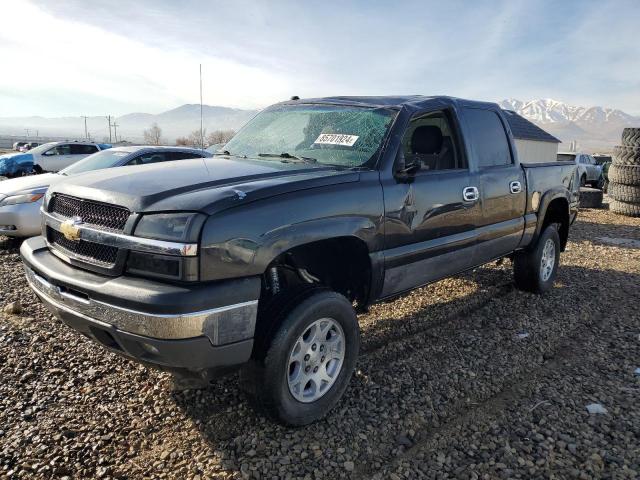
(28, 146)
(589, 171)
(17, 145)
(21, 198)
(49, 157)
(261, 256)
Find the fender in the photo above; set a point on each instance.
(547, 198)
(242, 242)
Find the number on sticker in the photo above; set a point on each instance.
(336, 139)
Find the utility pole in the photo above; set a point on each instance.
(115, 131)
(27, 130)
(109, 122)
(86, 135)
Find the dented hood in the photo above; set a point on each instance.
(207, 185)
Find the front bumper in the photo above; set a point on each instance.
(179, 327)
(21, 220)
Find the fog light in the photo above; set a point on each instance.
(149, 349)
(7, 227)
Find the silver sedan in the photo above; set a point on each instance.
(21, 198)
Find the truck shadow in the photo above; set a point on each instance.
(445, 337)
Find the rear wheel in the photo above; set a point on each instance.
(299, 374)
(535, 270)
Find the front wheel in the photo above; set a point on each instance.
(305, 368)
(536, 269)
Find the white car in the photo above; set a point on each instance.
(588, 169)
(50, 157)
(21, 198)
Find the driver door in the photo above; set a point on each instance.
(430, 217)
(56, 158)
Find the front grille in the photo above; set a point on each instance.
(99, 214)
(88, 251)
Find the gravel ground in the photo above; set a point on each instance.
(466, 378)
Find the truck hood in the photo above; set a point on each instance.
(28, 183)
(207, 185)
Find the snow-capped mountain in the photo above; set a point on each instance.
(594, 128)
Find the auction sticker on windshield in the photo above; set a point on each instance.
(336, 139)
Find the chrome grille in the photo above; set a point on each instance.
(96, 214)
(82, 250)
(99, 214)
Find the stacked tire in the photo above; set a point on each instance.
(624, 175)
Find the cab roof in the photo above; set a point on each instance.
(391, 101)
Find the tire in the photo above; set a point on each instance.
(527, 265)
(626, 155)
(631, 137)
(269, 377)
(528, 271)
(625, 174)
(625, 208)
(624, 193)
(37, 169)
(590, 198)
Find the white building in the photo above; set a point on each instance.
(534, 145)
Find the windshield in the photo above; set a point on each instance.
(103, 159)
(325, 134)
(42, 148)
(566, 157)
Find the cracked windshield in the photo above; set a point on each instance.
(329, 135)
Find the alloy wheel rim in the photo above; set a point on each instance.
(548, 260)
(315, 360)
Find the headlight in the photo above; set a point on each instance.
(177, 227)
(22, 198)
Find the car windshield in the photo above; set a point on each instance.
(566, 157)
(42, 148)
(342, 136)
(104, 159)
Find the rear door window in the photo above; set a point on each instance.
(182, 155)
(488, 137)
(146, 158)
(79, 149)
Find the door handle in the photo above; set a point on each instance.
(515, 187)
(470, 194)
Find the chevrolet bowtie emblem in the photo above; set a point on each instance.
(71, 228)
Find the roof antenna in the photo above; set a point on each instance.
(201, 130)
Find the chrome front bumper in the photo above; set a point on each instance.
(222, 325)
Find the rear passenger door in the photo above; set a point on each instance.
(78, 151)
(502, 184)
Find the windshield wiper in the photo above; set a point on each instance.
(288, 156)
(227, 152)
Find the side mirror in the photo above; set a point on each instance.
(405, 171)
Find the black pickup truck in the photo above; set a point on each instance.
(261, 256)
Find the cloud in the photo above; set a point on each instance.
(117, 57)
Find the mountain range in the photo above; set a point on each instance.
(593, 128)
(178, 122)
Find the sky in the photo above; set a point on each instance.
(87, 57)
